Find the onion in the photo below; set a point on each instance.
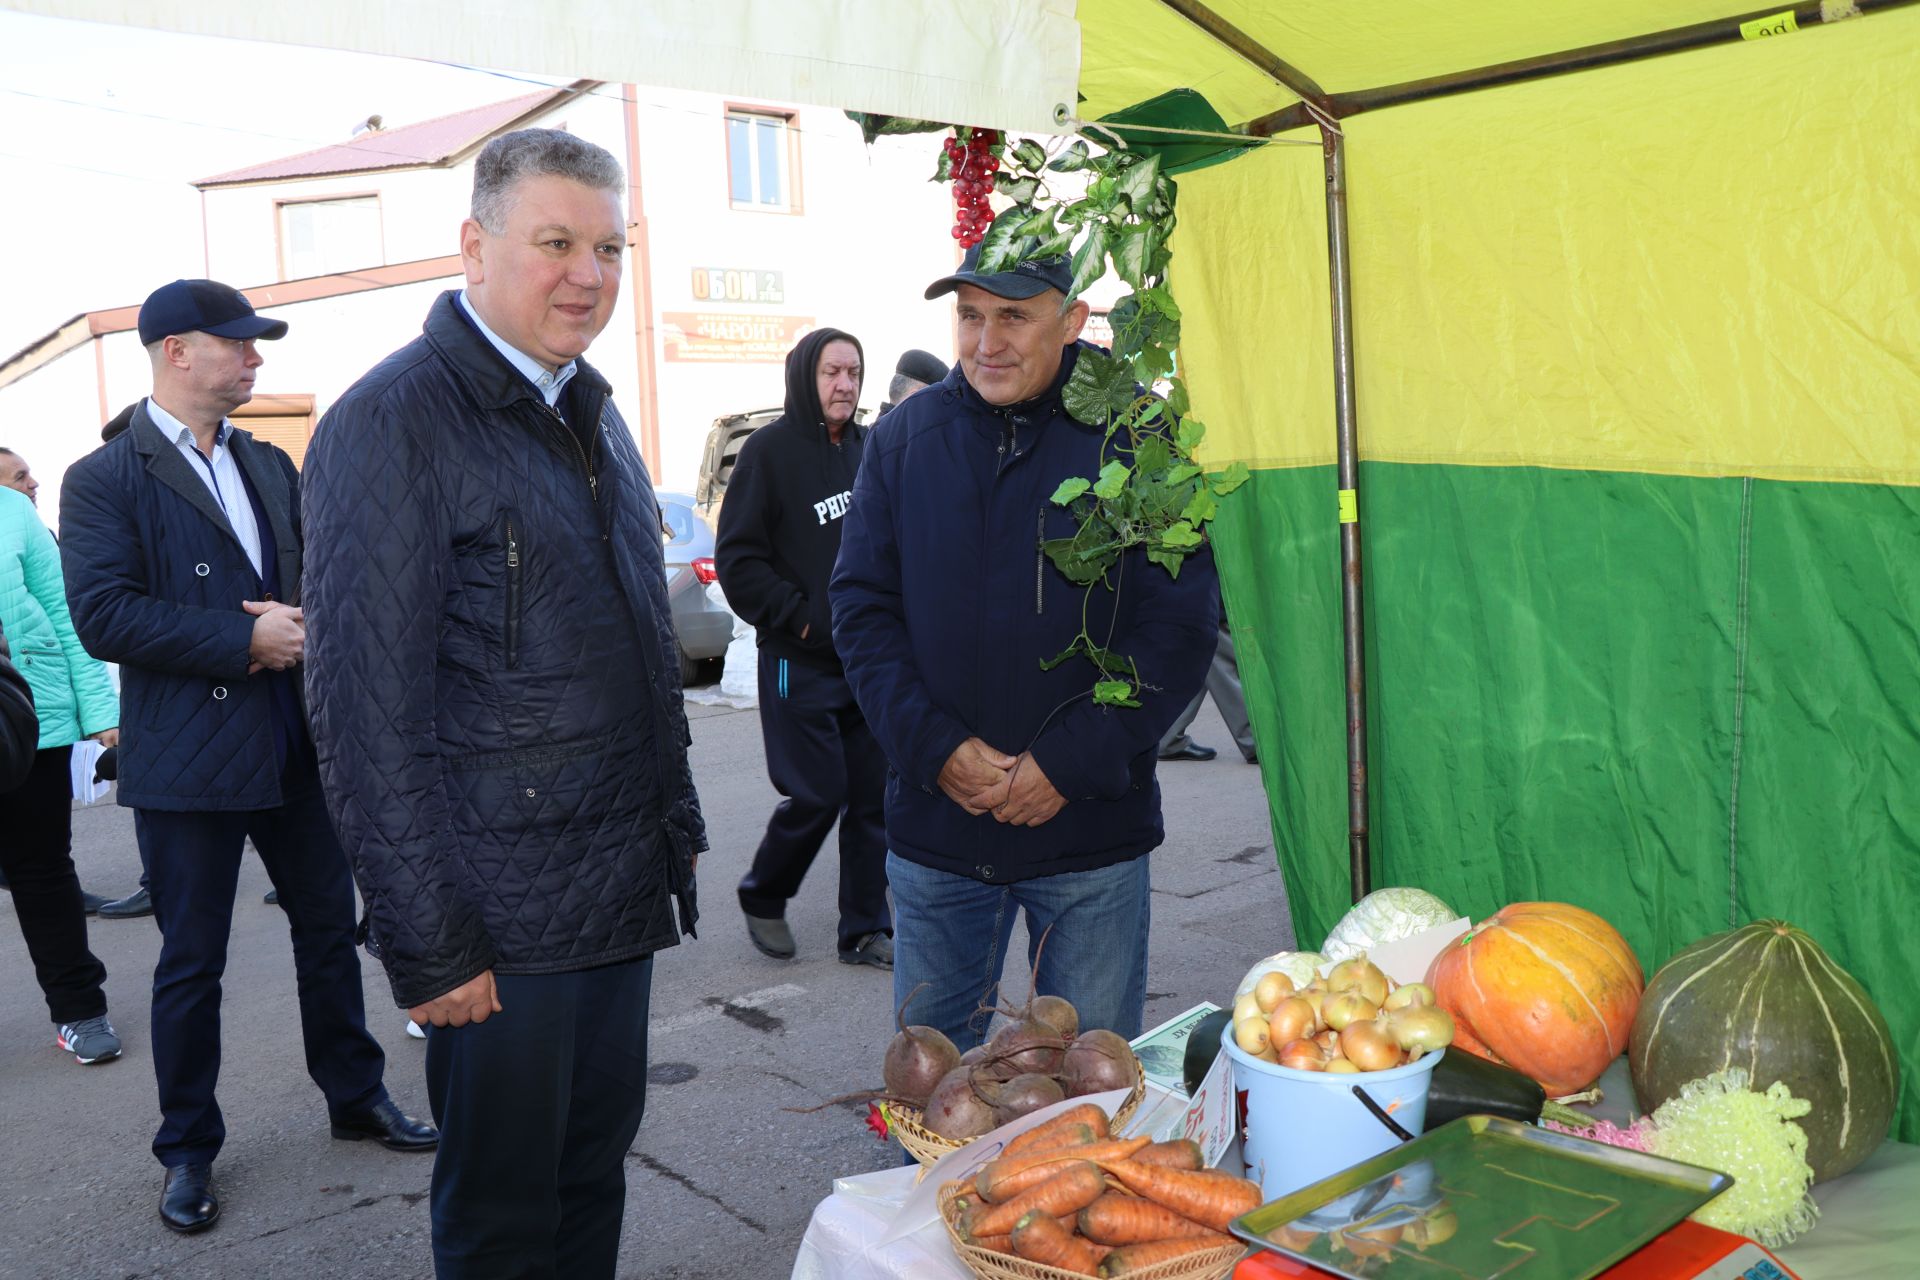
(1328, 1039)
(1416, 1028)
(1252, 1035)
(1417, 994)
(1359, 974)
(1317, 1000)
(1341, 1066)
(1369, 1047)
(1346, 1008)
(1246, 1007)
(1271, 990)
(1291, 1019)
(1303, 1055)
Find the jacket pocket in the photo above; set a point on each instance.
(510, 531)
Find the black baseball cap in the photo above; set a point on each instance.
(1034, 276)
(204, 306)
(921, 366)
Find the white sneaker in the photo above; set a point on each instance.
(415, 1030)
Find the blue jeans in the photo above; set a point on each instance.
(951, 933)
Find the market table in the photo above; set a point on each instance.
(1868, 1228)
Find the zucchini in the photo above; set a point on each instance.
(1465, 1085)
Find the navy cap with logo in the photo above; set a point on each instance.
(1034, 276)
(204, 306)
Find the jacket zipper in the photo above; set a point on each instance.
(1040, 565)
(513, 593)
(586, 459)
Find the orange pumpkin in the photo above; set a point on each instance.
(1543, 987)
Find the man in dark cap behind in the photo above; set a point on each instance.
(182, 554)
(779, 533)
(1011, 790)
(916, 370)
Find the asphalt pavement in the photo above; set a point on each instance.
(723, 1177)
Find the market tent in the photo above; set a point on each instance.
(1637, 376)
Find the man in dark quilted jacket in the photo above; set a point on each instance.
(181, 548)
(497, 706)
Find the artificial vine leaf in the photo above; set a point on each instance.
(1113, 478)
(1184, 472)
(1192, 432)
(1074, 158)
(1168, 560)
(1152, 456)
(1099, 388)
(1177, 399)
(943, 168)
(1029, 154)
(1067, 654)
(1114, 693)
(1137, 182)
(1071, 488)
(1019, 190)
(1132, 246)
(1003, 245)
(1040, 223)
(1225, 482)
(1055, 245)
(1089, 261)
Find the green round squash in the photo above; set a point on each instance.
(1768, 999)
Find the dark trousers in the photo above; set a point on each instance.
(193, 866)
(1223, 683)
(824, 759)
(537, 1107)
(36, 857)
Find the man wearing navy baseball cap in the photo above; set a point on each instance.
(182, 552)
(1011, 790)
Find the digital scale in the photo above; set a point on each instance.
(1491, 1199)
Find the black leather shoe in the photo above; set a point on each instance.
(187, 1202)
(1192, 751)
(137, 903)
(389, 1126)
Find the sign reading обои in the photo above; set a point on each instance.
(726, 337)
(739, 284)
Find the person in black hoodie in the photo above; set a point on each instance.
(779, 535)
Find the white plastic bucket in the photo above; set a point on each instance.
(1298, 1127)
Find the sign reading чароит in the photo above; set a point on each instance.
(730, 337)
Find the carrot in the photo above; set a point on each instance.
(994, 1244)
(1042, 1136)
(1136, 1258)
(1042, 1238)
(997, 1181)
(1181, 1153)
(1207, 1196)
(1067, 1192)
(1126, 1219)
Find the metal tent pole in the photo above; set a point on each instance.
(1339, 279)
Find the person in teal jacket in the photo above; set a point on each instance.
(74, 699)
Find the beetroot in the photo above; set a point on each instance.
(917, 1059)
(1058, 1013)
(956, 1110)
(1098, 1061)
(1023, 1094)
(1028, 1045)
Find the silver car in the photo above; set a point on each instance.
(702, 627)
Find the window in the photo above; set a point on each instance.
(286, 421)
(759, 156)
(325, 237)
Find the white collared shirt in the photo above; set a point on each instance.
(548, 384)
(221, 474)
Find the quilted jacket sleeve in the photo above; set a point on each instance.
(1087, 752)
(377, 564)
(95, 704)
(108, 593)
(743, 547)
(870, 633)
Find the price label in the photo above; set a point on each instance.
(1774, 24)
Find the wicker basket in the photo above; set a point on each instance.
(926, 1146)
(1213, 1264)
